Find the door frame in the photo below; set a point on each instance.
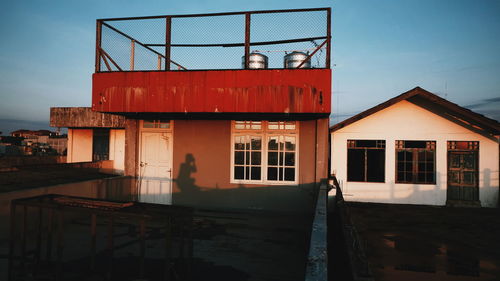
(462, 146)
(169, 130)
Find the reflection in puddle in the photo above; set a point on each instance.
(410, 255)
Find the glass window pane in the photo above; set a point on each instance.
(247, 173)
(239, 157)
(272, 125)
(239, 143)
(238, 173)
(256, 143)
(273, 143)
(255, 173)
(239, 124)
(401, 177)
(290, 125)
(280, 174)
(272, 173)
(247, 157)
(355, 164)
(256, 157)
(290, 174)
(256, 125)
(164, 124)
(290, 143)
(281, 158)
(290, 159)
(148, 124)
(272, 158)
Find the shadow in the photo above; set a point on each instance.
(185, 182)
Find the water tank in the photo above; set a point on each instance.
(294, 59)
(256, 61)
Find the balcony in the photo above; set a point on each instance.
(215, 63)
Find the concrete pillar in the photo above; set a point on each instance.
(131, 147)
(322, 131)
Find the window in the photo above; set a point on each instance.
(156, 124)
(100, 144)
(415, 162)
(366, 160)
(264, 152)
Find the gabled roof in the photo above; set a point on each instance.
(444, 108)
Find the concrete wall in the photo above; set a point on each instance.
(79, 145)
(84, 117)
(406, 121)
(209, 142)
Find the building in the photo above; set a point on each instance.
(208, 132)
(30, 133)
(92, 136)
(417, 148)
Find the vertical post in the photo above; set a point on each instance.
(132, 54)
(247, 40)
(49, 234)
(168, 35)
(60, 243)
(38, 238)
(12, 248)
(93, 240)
(23, 236)
(159, 62)
(142, 238)
(98, 46)
(168, 247)
(329, 36)
(110, 247)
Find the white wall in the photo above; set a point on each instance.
(79, 145)
(406, 121)
(117, 150)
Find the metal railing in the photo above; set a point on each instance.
(212, 41)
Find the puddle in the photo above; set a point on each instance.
(405, 257)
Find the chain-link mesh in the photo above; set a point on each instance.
(212, 41)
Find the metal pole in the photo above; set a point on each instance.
(110, 248)
(329, 36)
(168, 34)
(98, 46)
(142, 232)
(60, 243)
(132, 54)
(247, 40)
(93, 222)
(12, 248)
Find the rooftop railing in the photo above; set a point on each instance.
(213, 41)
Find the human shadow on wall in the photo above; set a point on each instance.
(185, 181)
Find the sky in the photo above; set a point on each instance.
(379, 50)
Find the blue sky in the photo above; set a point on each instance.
(380, 49)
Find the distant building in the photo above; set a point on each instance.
(417, 148)
(30, 133)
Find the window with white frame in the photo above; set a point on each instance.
(264, 152)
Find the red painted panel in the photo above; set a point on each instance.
(230, 91)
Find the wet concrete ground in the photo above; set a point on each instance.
(405, 242)
(227, 245)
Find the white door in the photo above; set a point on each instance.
(155, 168)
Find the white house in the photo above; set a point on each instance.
(417, 148)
